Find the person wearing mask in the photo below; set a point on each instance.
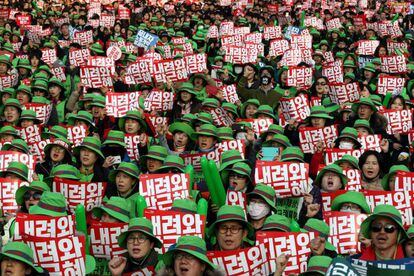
(260, 205)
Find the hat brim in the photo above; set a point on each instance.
(113, 173)
(21, 191)
(367, 222)
(77, 149)
(271, 204)
(20, 259)
(37, 210)
(343, 177)
(182, 127)
(123, 236)
(195, 135)
(323, 116)
(250, 230)
(168, 257)
(337, 203)
(142, 122)
(97, 212)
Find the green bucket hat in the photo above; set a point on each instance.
(319, 226)
(350, 133)
(231, 213)
(350, 76)
(21, 252)
(117, 207)
(64, 171)
(192, 245)
(388, 211)
(184, 205)
(225, 133)
(135, 115)
(126, 167)
(199, 36)
(319, 111)
(13, 102)
(172, 162)
(188, 118)
(273, 129)
(278, 138)
(265, 110)
(351, 197)
(277, 223)
(210, 102)
(50, 204)
(82, 115)
(393, 170)
(204, 117)
(365, 124)
(33, 186)
(230, 107)
(61, 142)
(187, 87)
(97, 48)
(241, 168)
(19, 144)
(54, 81)
(24, 88)
(115, 137)
(142, 225)
(290, 154)
(98, 100)
(18, 169)
(23, 63)
(29, 114)
(410, 232)
(156, 152)
(229, 158)
(45, 68)
(331, 168)
(246, 103)
(181, 127)
(266, 193)
(9, 130)
(330, 106)
(349, 64)
(6, 60)
(206, 130)
(90, 143)
(40, 85)
(55, 132)
(370, 67)
(318, 265)
(9, 90)
(350, 159)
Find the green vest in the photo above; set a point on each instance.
(60, 108)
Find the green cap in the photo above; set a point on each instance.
(206, 130)
(273, 129)
(278, 138)
(393, 170)
(19, 144)
(9, 130)
(365, 124)
(331, 168)
(128, 168)
(320, 227)
(172, 162)
(181, 127)
(115, 137)
(245, 104)
(55, 132)
(21, 252)
(350, 133)
(39, 186)
(135, 115)
(82, 115)
(318, 265)
(64, 171)
(18, 169)
(266, 193)
(98, 100)
(184, 205)
(230, 157)
(225, 134)
(290, 154)
(91, 143)
(156, 152)
(276, 222)
(319, 111)
(142, 225)
(351, 197)
(50, 204)
(116, 207)
(348, 158)
(265, 110)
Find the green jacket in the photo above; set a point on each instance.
(271, 98)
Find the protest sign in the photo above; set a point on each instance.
(139, 72)
(230, 93)
(354, 180)
(259, 125)
(236, 144)
(195, 158)
(84, 38)
(8, 188)
(30, 134)
(399, 121)
(145, 40)
(76, 134)
(220, 117)
(334, 73)
(390, 84)
(95, 76)
(296, 108)
(13, 156)
(367, 47)
(103, 239)
(133, 142)
(236, 198)
(42, 110)
(310, 136)
(393, 64)
(159, 101)
(119, 103)
(370, 142)
(272, 32)
(341, 93)
(59, 72)
(332, 155)
(278, 47)
(328, 197)
(170, 70)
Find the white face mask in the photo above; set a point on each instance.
(346, 145)
(258, 210)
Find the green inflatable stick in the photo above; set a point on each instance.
(387, 99)
(141, 205)
(190, 171)
(395, 18)
(81, 226)
(202, 207)
(209, 180)
(218, 184)
(294, 226)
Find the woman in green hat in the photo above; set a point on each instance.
(133, 123)
(188, 257)
(28, 118)
(260, 204)
(17, 145)
(182, 140)
(351, 201)
(365, 109)
(409, 243)
(172, 164)
(7, 93)
(11, 112)
(388, 182)
(363, 127)
(238, 178)
(185, 101)
(249, 108)
(348, 139)
(115, 210)
(16, 171)
(90, 159)
(57, 96)
(114, 149)
(57, 152)
(124, 180)
(16, 258)
(140, 242)
(265, 112)
(82, 118)
(24, 94)
(5, 65)
(206, 138)
(154, 159)
(7, 134)
(331, 179)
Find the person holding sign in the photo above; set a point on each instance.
(388, 182)
(331, 179)
(182, 141)
(385, 228)
(154, 159)
(57, 152)
(260, 204)
(16, 259)
(115, 210)
(124, 181)
(351, 201)
(90, 159)
(230, 230)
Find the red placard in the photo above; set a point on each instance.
(301, 41)
(59, 72)
(78, 57)
(196, 63)
(334, 23)
(292, 57)
(195, 158)
(118, 104)
(327, 199)
(341, 93)
(88, 194)
(13, 156)
(132, 142)
(30, 134)
(399, 121)
(344, 230)
(389, 84)
(240, 55)
(124, 12)
(23, 20)
(334, 73)
(8, 190)
(238, 145)
(101, 61)
(154, 121)
(170, 70)
(213, 32)
(160, 190)
(272, 32)
(310, 136)
(76, 134)
(393, 64)
(42, 110)
(332, 155)
(300, 77)
(43, 226)
(367, 47)
(8, 81)
(230, 93)
(295, 108)
(104, 239)
(288, 179)
(354, 180)
(278, 47)
(159, 101)
(259, 125)
(236, 198)
(139, 72)
(169, 225)
(37, 150)
(220, 117)
(95, 76)
(49, 56)
(370, 142)
(84, 38)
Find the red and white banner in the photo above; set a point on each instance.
(213, 32)
(23, 20)
(196, 63)
(334, 73)
(334, 23)
(288, 179)
(160, 190)
(76, 134)
(393, 46)
(59, 256)
(327, 199)
(240, 55)
(295, 108)
(30, 134)
(154, 121)
(332, 155)
(42, 110)
(370, 142)
(104, 239)
(399, 121)
(84, 38)
(139, 72)
(95, 76)
(292, 57)
(278, 47)
(170, 225)
(295, 245)
(404, 181)
(367, 47)
(8, 188)
(13, 156)
(132, 142)
(314, 22)
(393, 64)
(354, 180)
(310, 136)
(107, 20)
(301, 41)
(236, 198)
(272, 32)
(226, 28)
(259, 125)
(49, 56)
(170, 70)
(37, 150)
(8, 81)
(59, 72)
(194, 159)
(230, 93)
(300, 77)
(220, 117)
(88, 194)
(159, 101)
(344, 230)
(43, 226)
(118, 104)
(389, 84)
(235, 144)
(341, 93)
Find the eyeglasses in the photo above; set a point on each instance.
(139, 239)
(183, 256)
(233, 229)
(388, 228)
(34, 195)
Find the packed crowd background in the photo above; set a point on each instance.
(231, 137)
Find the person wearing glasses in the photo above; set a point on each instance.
(385, 229)
(231, 229)
(140, 242)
